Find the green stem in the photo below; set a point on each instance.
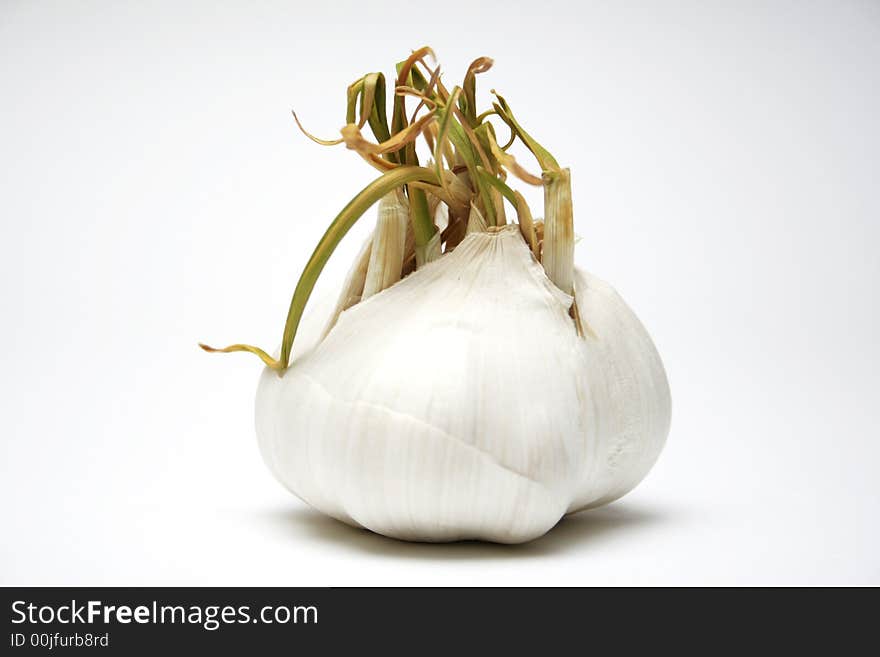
(337, 230)
(423, 223)
(498, 184)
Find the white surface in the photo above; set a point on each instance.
(155, 192)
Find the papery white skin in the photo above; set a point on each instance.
(461, 403)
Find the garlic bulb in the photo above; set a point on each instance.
(469, 382)
(517, 422)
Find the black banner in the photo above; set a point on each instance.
(134, 621)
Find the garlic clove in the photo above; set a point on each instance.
(389, 244)
(630, 393)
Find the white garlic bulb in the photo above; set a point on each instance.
(469, 382)
(461, 403)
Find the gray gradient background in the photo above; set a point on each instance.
(154, 192)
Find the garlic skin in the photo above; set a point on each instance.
(460, 403)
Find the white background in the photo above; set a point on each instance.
(154, 192)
